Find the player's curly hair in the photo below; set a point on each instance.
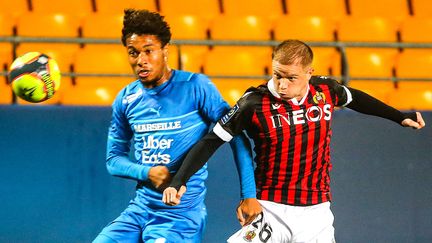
(291, 51)
(144, 22)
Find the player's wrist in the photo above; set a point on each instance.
(145, 173)
(248, 195)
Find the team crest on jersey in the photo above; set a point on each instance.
(230, 114)
(319, 98)
(249, 235)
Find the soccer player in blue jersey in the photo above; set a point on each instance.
(164, 113)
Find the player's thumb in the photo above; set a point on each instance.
(181, 191)
(240, 216)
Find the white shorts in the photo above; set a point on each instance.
(280, 223)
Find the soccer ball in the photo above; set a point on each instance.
(34, 77)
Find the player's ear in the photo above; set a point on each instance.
(165, 51)
(309, 72)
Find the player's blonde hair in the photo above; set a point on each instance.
(293, 51)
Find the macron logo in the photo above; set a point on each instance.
(276, 106)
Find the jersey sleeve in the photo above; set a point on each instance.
(209, 100)
(214, 107)
(237, 119)
(118, 145)
(341, 92)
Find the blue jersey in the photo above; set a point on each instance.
(163, 123)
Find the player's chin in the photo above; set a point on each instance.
(146, 80)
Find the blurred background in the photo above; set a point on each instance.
(54, 185)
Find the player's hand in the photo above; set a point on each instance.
(247, 211)
(420, 123)
(159, 176)
(171, 196)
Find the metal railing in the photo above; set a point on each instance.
(341, 46)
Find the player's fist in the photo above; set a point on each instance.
(159, 176)
(171, 196)
(418, 123)
(248, 210)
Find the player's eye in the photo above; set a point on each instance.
(133, 53)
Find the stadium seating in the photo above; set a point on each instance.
(271, 9)
(102, 59)
(234, 61)
(417, 29)
(188, 27)
(7, 23)
(318, 28)
(15, 8)
(204, 8)
(5, 62)
(371, 62)
(78, 8)
(326, 61)
(173, 57)
(94, 91)
(192, 58)
(233, 89)
(5, 55)
(5, 92)
(414, 63)
(396, 10)
(48, 25)
(117, 7)
(102, 25)
(422, 8)
(412, 96)
(371, 29)
(240, 28)
(332, 9)
(377, 88)
(234, 20)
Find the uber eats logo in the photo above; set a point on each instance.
(153, 149)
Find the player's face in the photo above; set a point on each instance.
(291, 81)
(148, 59)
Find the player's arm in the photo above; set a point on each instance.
(215, 108)
(118, 162)
(364, 103)
(224, 131)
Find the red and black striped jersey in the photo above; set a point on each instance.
(292, 139)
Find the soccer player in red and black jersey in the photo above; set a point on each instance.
(289, 120)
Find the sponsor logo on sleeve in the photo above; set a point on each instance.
(230, 114)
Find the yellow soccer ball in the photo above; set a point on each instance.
(34, 77)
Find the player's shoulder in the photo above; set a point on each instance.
(317, 80)
(324, 81)
(253, 95)
(180, 76)
(129, 93)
